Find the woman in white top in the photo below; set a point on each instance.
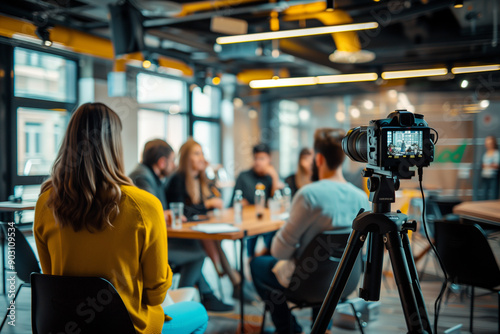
(490, 167)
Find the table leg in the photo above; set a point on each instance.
(242, 281)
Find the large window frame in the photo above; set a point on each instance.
(34, 103)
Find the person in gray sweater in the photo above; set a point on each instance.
(327, 204)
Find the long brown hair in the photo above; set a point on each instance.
(87, 174)
(303, 177)
(186, 169)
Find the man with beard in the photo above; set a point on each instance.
(185, 255)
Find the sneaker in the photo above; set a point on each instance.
(212, 304)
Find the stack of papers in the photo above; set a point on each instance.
(215, 228)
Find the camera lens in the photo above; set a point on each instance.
(355, 144)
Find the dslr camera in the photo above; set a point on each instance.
(394, 144)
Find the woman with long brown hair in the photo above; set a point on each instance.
(91, 221)
(304, 171)
(191, 186)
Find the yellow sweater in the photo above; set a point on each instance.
(132, 255)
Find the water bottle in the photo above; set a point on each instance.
(260, 199)
(287, 198)
(238, 206)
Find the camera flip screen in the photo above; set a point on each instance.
(403, 143)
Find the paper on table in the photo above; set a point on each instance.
(215, 228)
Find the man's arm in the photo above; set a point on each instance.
(287, 239)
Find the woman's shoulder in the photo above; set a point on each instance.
(140, 199)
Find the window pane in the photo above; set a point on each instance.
(208, 135)
(151, 125)
(177, 131)
(39, 136)
(157, 124)
(44, 76)
(206, 102)
(169, 93)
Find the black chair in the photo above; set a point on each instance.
(87, 305)
(315, 270)
(25, 261)
(467, 258)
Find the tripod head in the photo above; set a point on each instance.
(382, 185)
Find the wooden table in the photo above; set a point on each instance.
(250, 226)
(10, 208)
(481, 211)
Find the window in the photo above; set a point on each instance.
(158, 124)
(208, 135)
(44, 76)
(39, 138)
(163, 110)
(206, 121)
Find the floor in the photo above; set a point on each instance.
(390, 320)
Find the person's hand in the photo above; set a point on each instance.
(214, 203)
(168, 217)
(271, 171)
(244, 202)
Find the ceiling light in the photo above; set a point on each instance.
(252, 114)
(464, 84)
(308, 81)
(472, 69)
(414, 73)
(44, 35)
(355, 113)
(304, 115)
(287, 82)
(146, 64)
(264, 36)
(237, 102)
(174, 109)
(459, 3)
(357, 77)
(484, 104)
(330, 5)
(392, 93)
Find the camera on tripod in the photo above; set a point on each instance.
(396, 143)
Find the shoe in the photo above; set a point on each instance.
(212, 304)
(248, 293)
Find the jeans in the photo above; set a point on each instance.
(189, 256)
(272, 293)
(187, 318)
(252, 242)
(489, 188)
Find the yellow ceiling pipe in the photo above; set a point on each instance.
(84, 43)
(246, 76)
(344, 41)
(201, 6)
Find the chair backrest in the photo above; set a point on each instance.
(62, 304)
(466, 254)
(316, 268)
(25, 261)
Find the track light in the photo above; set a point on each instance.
(330, 4)
(473, 69)
(414, 73)
(44, 35)
(265, 36)
(309, 81)
(459, 3)
(464, 84)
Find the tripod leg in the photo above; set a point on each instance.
(403, 281)
(351, 252)
(415, 283)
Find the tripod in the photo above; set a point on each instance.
(381, 227)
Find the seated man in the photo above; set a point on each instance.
(261, 172)
(186, 254)
(327, 204)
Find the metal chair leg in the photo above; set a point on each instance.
(471, 308)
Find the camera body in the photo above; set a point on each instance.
(396, 143)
